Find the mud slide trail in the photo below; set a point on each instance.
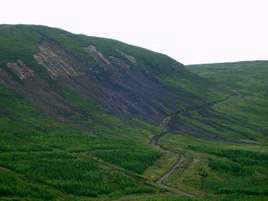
(155, 141)
(160, 181)
(172, 169)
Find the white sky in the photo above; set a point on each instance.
(191, 31)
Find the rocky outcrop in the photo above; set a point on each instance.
(20, 69)
(56, 64)
(92, 50)
(131, 59)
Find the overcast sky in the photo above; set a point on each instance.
(191, 31)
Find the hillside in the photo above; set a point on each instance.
(86, 118)
(124, 80)
(248, 82)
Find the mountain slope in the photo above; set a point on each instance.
(71, 102)
(219, 150)
(247, 110)
(86, 118)
(44, 64)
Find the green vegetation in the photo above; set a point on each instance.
(163, 198)
(227, 153)
(76, 177)
(17, 43)
(41, 151)
(231, 171)
(247, 111)
(136, 161)
(86, 153)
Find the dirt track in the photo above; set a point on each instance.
(155, 141)
(172, 169)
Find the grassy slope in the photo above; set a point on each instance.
(232, 171)
(248, 109)
(236, 168)
(42, 158)
(39, 150)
